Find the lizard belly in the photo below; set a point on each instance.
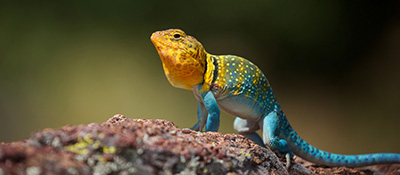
(241, 106)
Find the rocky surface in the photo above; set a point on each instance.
(140, 146)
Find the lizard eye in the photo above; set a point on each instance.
(177, 36)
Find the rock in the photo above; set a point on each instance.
(138, 146)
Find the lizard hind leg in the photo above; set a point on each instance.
(248, 129)
(270, 126)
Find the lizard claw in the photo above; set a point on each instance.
(288, 160)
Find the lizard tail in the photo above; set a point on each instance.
(313, 154)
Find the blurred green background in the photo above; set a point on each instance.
(334, 65)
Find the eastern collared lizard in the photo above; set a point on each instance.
(238, 87)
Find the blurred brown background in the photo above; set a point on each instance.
(334, 65)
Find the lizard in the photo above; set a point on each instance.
(238, 87)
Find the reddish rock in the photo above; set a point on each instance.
(140, 146)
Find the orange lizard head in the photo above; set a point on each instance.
(183, 57)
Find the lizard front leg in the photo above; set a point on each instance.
(202, 114)
(212, 111)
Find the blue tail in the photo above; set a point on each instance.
(312, 154)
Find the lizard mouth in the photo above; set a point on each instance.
(155, 37)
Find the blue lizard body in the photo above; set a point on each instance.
(238, 87)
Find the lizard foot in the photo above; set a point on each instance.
(191, 129)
